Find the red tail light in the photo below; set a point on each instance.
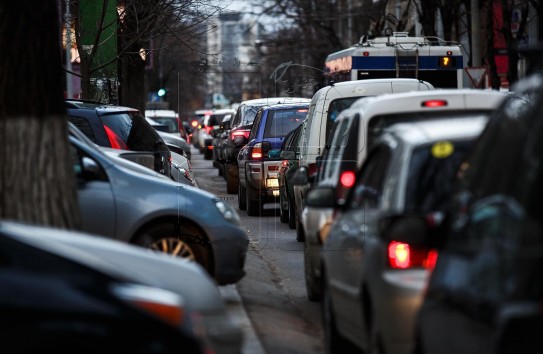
(434, 103)
(347, 179)
(243, 133)
(256, 151)
(114, 140)
(312, 170)
(284, 163)
(208, 129)
(402, 256)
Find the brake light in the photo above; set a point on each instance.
(284, 163)
(194, 123)
(114, 140)
(312, 170)
(256, 151)
(208, 129)
(242, 133)
(434, 103)
(347, 179)
(402, 256)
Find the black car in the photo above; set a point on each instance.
(56, 300)
(120, 128)
(485, 292)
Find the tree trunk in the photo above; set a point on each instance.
(37, 183)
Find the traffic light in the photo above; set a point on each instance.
(161, 92)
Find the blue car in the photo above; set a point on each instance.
(258, 172)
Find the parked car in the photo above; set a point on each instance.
(220, 135)
(169, 217)
(120, 128)
(258, 183)
(170, 119)
(289, 154)
(325, 106)
(353, 135)
(371, 300)
(174, 142)
(58, 298)
(484, 294)
(240, 128)
(210, 124)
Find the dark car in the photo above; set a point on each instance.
(209, 128)
(258, 183)
(119, 128)
(485, 292)
(57, 300)
(220, 135)
(240, 128)
(289, 154)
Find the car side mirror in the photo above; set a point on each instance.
(274, 153)
(300, 177)
(287, 155)
(90, 169)
(321, 197)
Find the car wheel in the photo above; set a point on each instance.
(333, 341)
(220, 167)
(291, 213)
(300, 236)
(184, 243)
(283, 212)
(311, 285)
(232, 181)
(254, 208)
(208, 154)
(242, 203)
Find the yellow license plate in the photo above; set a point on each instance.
(272, 182)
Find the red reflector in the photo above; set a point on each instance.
(449, 52)
(366, 54)
(210, 147)
(114, 140)
(273, 168)
(434, 103)
(284, 163)
(347, 179)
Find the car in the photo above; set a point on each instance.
(240, 127)
(168, 118)
(120, 128)
(66, 300)
(484, 293)
(220, 135)
(351, 138)
(289, 153)
(372, 288)
(159, 214)
(326, 104)
(173, 141)
(210, 125)
(258, 183)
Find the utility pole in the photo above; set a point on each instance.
(68, 24)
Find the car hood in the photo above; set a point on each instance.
(124, 261)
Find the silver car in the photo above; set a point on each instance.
(160, 214)
(372, 288)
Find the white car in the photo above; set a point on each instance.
(351, 140)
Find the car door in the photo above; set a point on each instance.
(96, 199)
(344, 249)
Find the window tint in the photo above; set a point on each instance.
(369, 185)
(134, 130)
(282, 121)
(335, 108)
(256, 123)
(249, 114)
(430, 178)
(170, 122)
(83, 125)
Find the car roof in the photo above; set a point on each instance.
(97, 106)
(413, 101)
(288, 105)
(423, 132)
(275, 100)
(160, 112)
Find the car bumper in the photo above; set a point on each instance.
(229, 253)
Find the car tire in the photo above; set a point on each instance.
(283, 213)
(333, 340)
(208, 154)
(184, 242)
(291, 213)
(300, 236)
(311, 286)
(232, 181)
(220, 168)
(254, 207)
(242, 202)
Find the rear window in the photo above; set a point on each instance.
(249, 114)
(432, 171)
(280, 122)
(335, 108)
(170, 122)
(133, 130)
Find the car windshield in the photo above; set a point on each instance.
(282, 121)
(170, 122)
(432, 171)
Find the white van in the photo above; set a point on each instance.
(325, 107)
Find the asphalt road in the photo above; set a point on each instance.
(270, 302)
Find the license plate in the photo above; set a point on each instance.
(272, 182)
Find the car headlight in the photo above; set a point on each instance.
(228, 212)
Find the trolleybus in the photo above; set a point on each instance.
(399, 55)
